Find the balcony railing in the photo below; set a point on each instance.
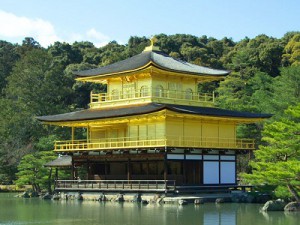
(116, 185)
(133, 143)
(151, 95)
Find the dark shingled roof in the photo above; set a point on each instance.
(159, 59)
(62, 161)
(91, 114)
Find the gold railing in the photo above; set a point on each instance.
(133, 143)
(149, 95)
(109, 143)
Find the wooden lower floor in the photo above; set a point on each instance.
(174, 168)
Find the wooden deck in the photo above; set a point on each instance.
(116, 185)
(143, 186)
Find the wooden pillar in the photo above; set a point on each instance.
(88, 168)
(184, 170)
(165, 172)
(73, 134)
(49, 181)
(56, 173)
(147, 168)
(87, 134)
(165, 167)
(56, 177)
(128, 169)
(73, 171)
(196, 172)
(105, 168)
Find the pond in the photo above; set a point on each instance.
(17, 211)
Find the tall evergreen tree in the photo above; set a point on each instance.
(277, 163)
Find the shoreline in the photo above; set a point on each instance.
(13, 188)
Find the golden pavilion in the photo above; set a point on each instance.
(152, 129)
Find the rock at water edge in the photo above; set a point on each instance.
(292, 207)
(277, 205)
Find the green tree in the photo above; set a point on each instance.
(28, 44)
(82, 90)
(136, 45)
(36, 86)
(8, 58)
(39, 84)
(286, 90)
(291, 54)
(15, 137)
(277, 162)
(64, 53)
(113, 52)
(31, 170)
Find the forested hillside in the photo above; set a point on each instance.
(35, 81)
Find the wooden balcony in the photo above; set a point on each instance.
(134, 143)
(151, 95)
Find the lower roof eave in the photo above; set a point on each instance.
(89, 116)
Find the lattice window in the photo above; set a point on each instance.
(115, 94)
(158, 91)
(144, 91)
(189, 94)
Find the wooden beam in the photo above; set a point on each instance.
(121, 157)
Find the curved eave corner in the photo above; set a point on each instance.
(105, 75)
(239, 117)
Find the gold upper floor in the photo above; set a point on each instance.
(156, 130)
(148, 94)
(152, 85)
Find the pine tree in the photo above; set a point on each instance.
(277, 163)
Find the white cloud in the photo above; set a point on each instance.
(92, 35)
(17, 27)
(99, 38)
(12, 26)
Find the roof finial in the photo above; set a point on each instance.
(153, 40)
(150, 48)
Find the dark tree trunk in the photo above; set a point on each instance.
(33, 187)
(49, 181)
(36, 188)
(293, 192)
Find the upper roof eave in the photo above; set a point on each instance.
(145, 59)
(125, 73)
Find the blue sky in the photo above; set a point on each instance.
(101, 21)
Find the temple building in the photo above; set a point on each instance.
(152, 124)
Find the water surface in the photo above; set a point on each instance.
(17, 211)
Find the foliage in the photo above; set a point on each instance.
(282, 192)
(32, 171)
(8, 58)
(286, 90)
(33, 81)
(15, 137)
(291, 54)
(277, 163)
(81, 91)
(46, 142)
